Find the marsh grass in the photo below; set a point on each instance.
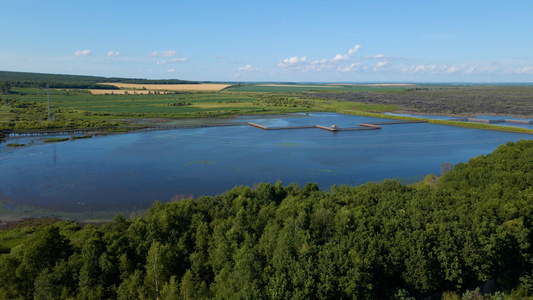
(56, 140)
(81, 137)
(441, 122)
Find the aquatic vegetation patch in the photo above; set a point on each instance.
(56, 140)
(81, 137)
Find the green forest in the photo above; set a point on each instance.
(56, 81)
(466, 234)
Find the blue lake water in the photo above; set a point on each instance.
(96, 178)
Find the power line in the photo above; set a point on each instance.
(49, 104)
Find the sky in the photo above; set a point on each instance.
(276, 41)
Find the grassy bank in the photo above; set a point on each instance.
(56, 140)
(441, 122)
(78, 108)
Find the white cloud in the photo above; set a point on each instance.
(177, 59)
(82, 52)
(377, 56)
(354, 50)
(471, 70)
(168, 53)
(322, 61)
(427, 68)
(350, 64)
(288, 62)
(340, 57)
(524, 70)
(350, 68)
(113, 53)
(340, 62)
(382, 64)
(452, 70)
(249, 68)
(171, 70)
(449, 69)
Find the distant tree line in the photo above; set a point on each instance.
(179, 103)
(62, 85)
(466, 233)
(39, 80)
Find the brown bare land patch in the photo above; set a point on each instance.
(212, 87)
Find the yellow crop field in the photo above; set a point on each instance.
(210, 87)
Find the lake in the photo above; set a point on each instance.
(93, 179)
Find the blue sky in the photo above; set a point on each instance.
(320, 41)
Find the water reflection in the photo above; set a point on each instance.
(54, 153)
(125, 173)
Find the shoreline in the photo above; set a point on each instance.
(154, 122)
(473, 125)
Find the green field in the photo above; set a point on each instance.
(80, 108)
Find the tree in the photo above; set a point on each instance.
(10, 286)
(43, 252)
(5, 87)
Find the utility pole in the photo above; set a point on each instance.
(49, 104)
(6, 87)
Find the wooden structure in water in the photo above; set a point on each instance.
(487, 121)
(335, 128)
(523, 122)
(280, 128)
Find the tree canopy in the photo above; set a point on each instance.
(470, 228)
(57, 81)
(5, 87)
